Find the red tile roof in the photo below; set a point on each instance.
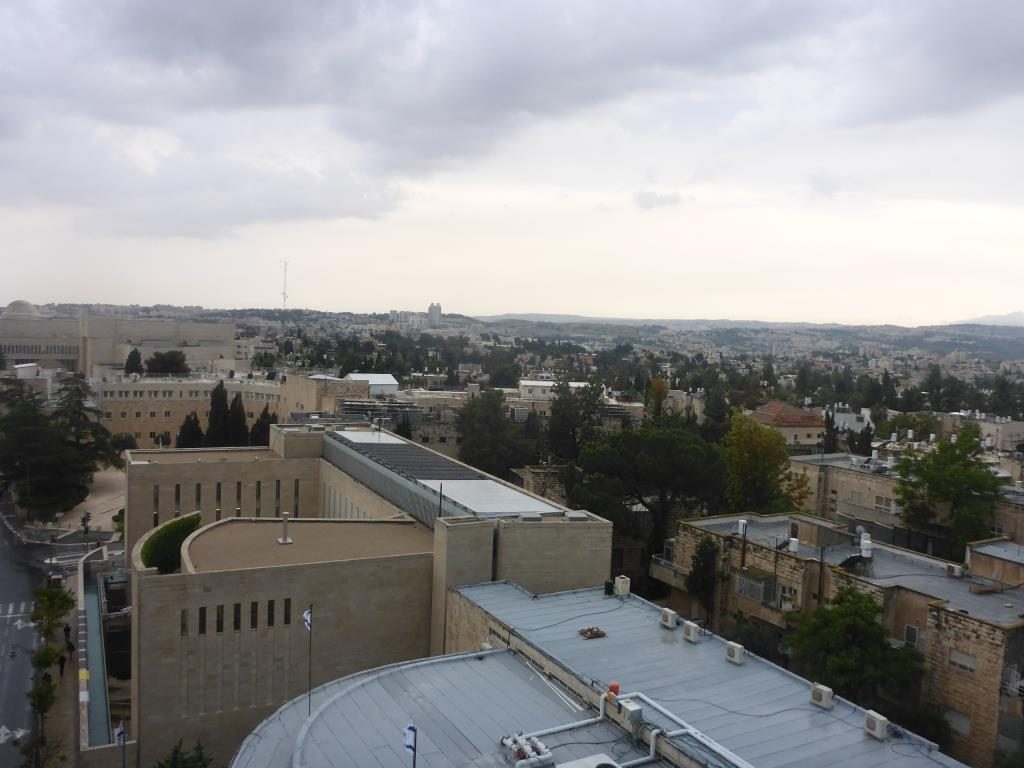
(776, 413)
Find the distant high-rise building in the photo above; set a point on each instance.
(434, 316)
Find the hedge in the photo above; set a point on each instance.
(163, 549)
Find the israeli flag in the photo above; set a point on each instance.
(410, 738)
(307, 618)
(119, 734)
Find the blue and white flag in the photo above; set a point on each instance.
(410, 738)
(119, 734)
(307, 618)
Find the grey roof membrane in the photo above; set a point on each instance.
(1004, 550)
(461, 705)
(892, 566)
(758, 711)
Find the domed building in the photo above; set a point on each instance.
(27, 336)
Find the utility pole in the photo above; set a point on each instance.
(284, 287)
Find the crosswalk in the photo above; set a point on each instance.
(17, 609)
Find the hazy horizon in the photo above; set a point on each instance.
(791, 161)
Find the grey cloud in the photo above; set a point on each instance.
(647, 200)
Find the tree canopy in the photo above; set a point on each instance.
(217, 424)
(133, 364)
(170, 362)
(949, 486)
(489, 441)
(237, 425)
(190, 434)
(260, 432)
(703, 575)
(575, 417)
(757, 469)
(179, 757)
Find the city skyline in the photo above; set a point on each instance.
(793, 161)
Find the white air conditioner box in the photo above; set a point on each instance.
(821, 696)
(876, 725)
(691, 632)
(734, 653)
(622, 585)
(668, 618)
(956, 571)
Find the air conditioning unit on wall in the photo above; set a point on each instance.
(668, 618)
(876, 725)
(821, 696)
(691, 632)
(734, 653)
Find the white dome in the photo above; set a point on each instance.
(21, 310)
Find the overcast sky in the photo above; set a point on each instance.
(784, 160)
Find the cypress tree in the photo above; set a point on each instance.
(260, 433)
(237, 426)
(217, 427)
(190, 435)
(134, 363)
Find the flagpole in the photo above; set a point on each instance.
(309, 678)
(414, 749)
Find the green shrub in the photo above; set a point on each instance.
(163, 549)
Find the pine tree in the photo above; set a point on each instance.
(260, 432)
(190, 435)
(217, 426)
(237, 425)
(134, 363)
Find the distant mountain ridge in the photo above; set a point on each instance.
(1016, 319)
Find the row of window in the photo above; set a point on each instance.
(39, 349)
(219, 498)
(192, 394)
(152, 414)
(269, 617)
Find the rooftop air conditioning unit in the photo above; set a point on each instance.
(621, 586)
(954, 570)
(668, 618)
(876, 725)
(821, 696)
(734, 653)
(691, 632)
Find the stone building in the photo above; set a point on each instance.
(966, 621)
(803, 430)
(380, 527)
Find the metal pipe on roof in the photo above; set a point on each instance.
(688, 730)
(650, 757)
(569, 726)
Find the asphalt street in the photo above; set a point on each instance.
(19, 576)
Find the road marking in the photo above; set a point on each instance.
(19, 624)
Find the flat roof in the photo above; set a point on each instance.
(757, 710)
(461, 705)
(245, 542)
(1003, 550)
(488, 497)
(889, 567)
(193, 455)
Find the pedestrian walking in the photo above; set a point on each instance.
(61, 662)
(71, 648)
(67, 633)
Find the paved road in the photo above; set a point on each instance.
(19, 576)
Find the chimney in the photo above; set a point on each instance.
(284, 530)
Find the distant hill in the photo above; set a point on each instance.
(1015, 319)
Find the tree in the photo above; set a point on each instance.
(844, 645)
(768, 374)
(124, 441)
(264, 360)
(758, 478)
(703, 576)
(260, 432)
(78, 420)
(52, 604)
(658, 393)
(575, 417)
(860, 443)
(171, 362)
(830, 443)
(949, 486)
(162, 549)
(490, 441)
(238, 426)
(217, 424)
(190, 433)
(804, 379)
(717, 415)
(184, 758)
(133, 364)
(403, 428)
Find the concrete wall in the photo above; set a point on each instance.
(218, 685)
(341, 496)
(257, 469)
(555, 554)
(301, 393)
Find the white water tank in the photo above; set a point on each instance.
(794, 544)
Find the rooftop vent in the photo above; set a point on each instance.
(865, 545)
(577, 516)
(621, 586)
(821, 696)
(734, 653)
(794, 544)
(530, 517)
(285, 538)
(876, 725)
(691, 632)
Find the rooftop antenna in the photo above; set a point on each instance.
(284, 286)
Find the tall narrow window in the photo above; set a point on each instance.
(156, 499)
(199, 495)
(254, 613)
(287, 611)
(237, 618)
(295, 498)
(218, 501)
(177, 499)
(220, 619)
(259, 494)
(270, 613)
(202, 620)
(238, 499)
(184, 622)
(277, 498)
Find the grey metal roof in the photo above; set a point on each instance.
(758, 711)
(461, 705)
(408, 459)
(1004, 550)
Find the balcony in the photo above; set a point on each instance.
(667, 572)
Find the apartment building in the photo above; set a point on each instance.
(369, 528)
(802, 430)
(635, 688)
(152, 409)
(966, 621)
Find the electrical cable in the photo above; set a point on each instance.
(620, 603)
